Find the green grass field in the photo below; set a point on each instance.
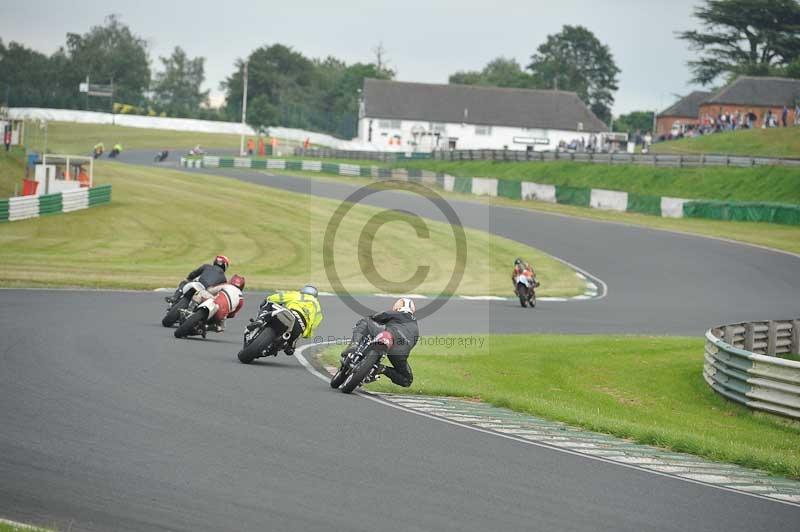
(777, 142)
(163, 223)
(12, 171)
(774, 183)
(648, 389)
(8, 526)
(79, 139)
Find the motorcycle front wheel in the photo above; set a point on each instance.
(258, 345)
(339, 377)
(360, 372)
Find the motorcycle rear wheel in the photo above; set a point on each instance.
(187, 327)
(174, 312)
(254, 349)
(360, 372)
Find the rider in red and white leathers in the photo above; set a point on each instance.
(228, 298)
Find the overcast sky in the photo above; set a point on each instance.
(425, 40)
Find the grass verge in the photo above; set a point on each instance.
(648, 389)
(776, 236)
(162, 223)
(769, 183)
(777, 142)
(11, 526)
(79, 139)
(12, 171)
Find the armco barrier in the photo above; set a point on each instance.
(665, 207)
(742, 364)
(24, 207)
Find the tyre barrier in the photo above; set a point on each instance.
(24, 207)
(596, 198)
(743, 364)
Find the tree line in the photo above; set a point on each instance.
(286, 88)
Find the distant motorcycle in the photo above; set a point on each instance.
(97, 153)
(161, 156)
(113, 153)
(526, 290)
(267, 334)
(197, 150)
(363, 364)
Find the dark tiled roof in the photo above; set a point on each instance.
(474, 104)
(746, 90)
(688, 106)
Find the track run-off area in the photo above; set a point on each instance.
(109, 423)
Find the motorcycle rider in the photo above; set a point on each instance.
(228, 296)
(99, 148)
(523, 268)
(116, 150)
(401, 322)
(303, 304)
(207, 274)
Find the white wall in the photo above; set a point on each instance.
(467, 139)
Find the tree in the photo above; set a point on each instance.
(24, 75)
(575, 60)
(111, 52)
(634, 121)
(753, 37)
(500, 72)
(176, 90)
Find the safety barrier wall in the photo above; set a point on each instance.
(24, 207)
(743, 364)
(596, 198)
(662, 160)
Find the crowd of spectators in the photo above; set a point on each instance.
(733, 121)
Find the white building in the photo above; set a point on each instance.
(402, 116)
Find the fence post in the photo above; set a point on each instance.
(728, 337)
(749, 333)
(795, 347)
(772, 337)
(680, 161)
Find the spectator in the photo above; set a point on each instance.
(785, 116)
(7, 137)
(797, 114)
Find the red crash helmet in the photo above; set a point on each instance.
(238, 281)
(222, 261)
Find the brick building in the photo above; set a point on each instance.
(686, 112)
(755, 96)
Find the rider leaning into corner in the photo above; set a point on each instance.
(206, 274)
(402, 324)
(229, 299)
(522, 267)
(304, 305)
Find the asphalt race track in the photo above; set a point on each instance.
(109, 423)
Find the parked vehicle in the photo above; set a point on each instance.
(363, 364)
(526, 290)
(267, 334)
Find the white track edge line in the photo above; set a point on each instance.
(306, 364)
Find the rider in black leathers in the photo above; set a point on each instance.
(208, 275)
(400, 321)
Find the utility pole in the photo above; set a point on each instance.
(244, 108)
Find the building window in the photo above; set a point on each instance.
(483, 130)
(438, 128)
(389, 124)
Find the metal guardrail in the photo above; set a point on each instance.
(652, 159)
(743, 364)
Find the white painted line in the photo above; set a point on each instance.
(580, 275)
(164, 290)
(485, 298)
(791, 500)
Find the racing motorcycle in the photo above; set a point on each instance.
(363, 364)
(202, 309)
(161, 156)
(268, 333)
(180, 300)
(526, 290)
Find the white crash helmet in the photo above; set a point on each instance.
(404, 304)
